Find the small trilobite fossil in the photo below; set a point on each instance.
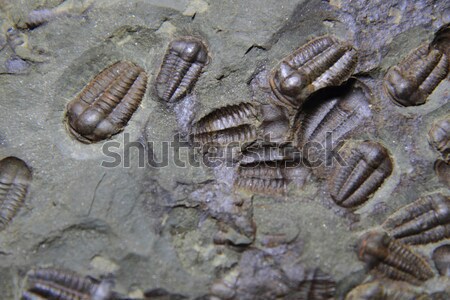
(181, 68)
(439, 137)
(323, 62)
(366, 166)
(386, 290)
(269, 169)
(232, 123)
(49, 283)
(441, 258)
(15, 177)
(411, 81)
(330, 116)
(427, 220)
(104, 107)
(391, 258)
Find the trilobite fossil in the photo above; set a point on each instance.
(411, 81)
(330, 116)
(391, 258)
(181, 68)
(322, 62)
(366, 166)
(104, 107)
(50, 283)
(269, 169)
(439, 137)
(441, 258)
(232, 123)
(386, 290)
(427, 220)
(15, 178)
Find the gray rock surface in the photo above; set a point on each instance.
(155, 227)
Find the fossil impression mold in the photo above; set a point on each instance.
(15, 178)
(427, 220)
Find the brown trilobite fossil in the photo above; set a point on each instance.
(366, 166)
(427, 220)
(330, 116)
(411, 81)
(322, 62)
(15, 177)
(269, 169)
(391, 258)
(439, 137)
(181, 68)
(232, 123)
(386, 290)
(49, 283)
(441, 258)
(106, 104)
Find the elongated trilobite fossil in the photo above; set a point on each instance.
(49, 283)
(232, 123)
(427, 220)
(386, 290)
(106, 104)
(366, 166)
(330, 116)
(269, 169)
(439, 137)
(322, 62)
(391, 258)
(181, 68)
(15, 177)
(411, 81)
(441, 258)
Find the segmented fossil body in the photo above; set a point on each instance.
(106, 104)
(181, 68)
(391, 258)
(331, 116)
(322, 62)
(15, 177)
(366, 167)
(233, 123)
(441, 258)
(426, 220)
(269, 169)
(49, 283)
(411, 81)
(385, 290)
(439, 137)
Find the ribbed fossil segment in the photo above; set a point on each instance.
(322, 62)
(391, 258)
(106, 104)
(427, 220)
(366, 166)
(386, 290)
(15, 177)
(331, 116)
(441, 258)
(49, 283)
(181, 68)
(269, 170)
(411, 81)
(439, 137)
(233, 123)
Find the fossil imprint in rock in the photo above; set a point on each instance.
(15, 177)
